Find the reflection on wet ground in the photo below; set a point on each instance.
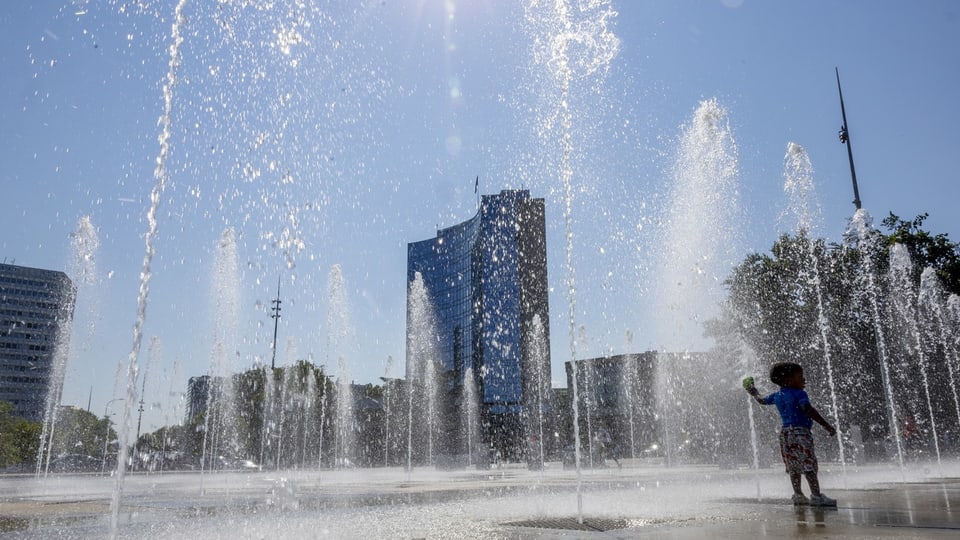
(639, 501)
(912, 509)
(932, 504)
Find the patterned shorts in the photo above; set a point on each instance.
(796, 447)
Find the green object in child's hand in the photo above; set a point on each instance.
(747, 383)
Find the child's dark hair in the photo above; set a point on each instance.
(782, 370)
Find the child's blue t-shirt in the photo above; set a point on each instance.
(790, 402)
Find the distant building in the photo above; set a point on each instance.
(652, 404)
(486, 283)
(36, 311)
(618, 394)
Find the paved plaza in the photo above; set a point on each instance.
(641, 500)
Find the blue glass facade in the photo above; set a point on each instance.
(501, 338)
(486, 279)
(446, 264)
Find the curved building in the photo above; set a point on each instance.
(486, 284)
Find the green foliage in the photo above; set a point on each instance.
(249, 388)
(186, 438)
(777, 303)
(774, 297)
(19, 439)
(80, 432)
(818, 305)
(27, 440)
(236, 428)
(926, 249)
(774, 303)
(8, 452)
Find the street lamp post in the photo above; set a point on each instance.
(845, 139)
(106, 435)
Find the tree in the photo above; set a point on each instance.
(927, 250)
(19, 438)
(78, 431)
(800, 303)
(27, 440)
(9, 453)
(828, 307)
(262, 414)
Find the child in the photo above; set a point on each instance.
(796, 440)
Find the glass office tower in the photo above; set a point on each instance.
(486, 280)
(36, 309)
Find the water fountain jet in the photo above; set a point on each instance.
(798, 174)
(861, 232)
(904, 307)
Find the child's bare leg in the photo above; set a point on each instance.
(795, 482)
(812, 481)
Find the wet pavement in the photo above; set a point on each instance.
(929, 509)
(913, 510)
(639, 501)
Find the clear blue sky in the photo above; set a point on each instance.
(359, 129)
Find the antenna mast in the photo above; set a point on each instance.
(845, 139)
(276, 320)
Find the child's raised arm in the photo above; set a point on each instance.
(752, 390)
